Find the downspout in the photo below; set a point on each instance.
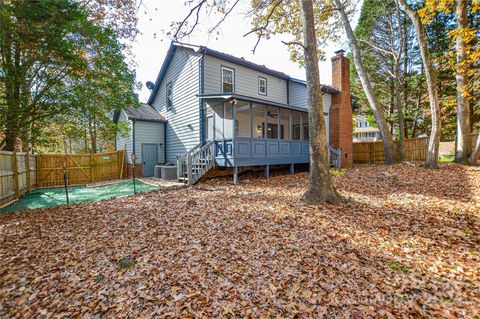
(165, 142)
(201, 102)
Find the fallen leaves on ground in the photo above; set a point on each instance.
(404, 244)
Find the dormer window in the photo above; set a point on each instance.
(228, 80)
(169, 94)
(262, 86)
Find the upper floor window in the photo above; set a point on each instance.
(169, 94)
(228, 80)
(262, 85)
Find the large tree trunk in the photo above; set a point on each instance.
(388, 143)
(320, 188)
(434, 141)
(464, 140)
(476, 153)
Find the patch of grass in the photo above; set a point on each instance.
(338, 172)
(446, 159)
(474, 253)
(396, 266)
(295, 249)
(468, 232)
(126, 263)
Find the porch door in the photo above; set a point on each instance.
(149, 158)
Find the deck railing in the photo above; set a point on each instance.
(195, 163)
(334, 157)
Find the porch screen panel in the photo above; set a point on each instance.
(258, 120)
(284, 124)
(272, 121)
(228, 121)
(242, 120)
(209, 127)
(296, 126)
(306, 133)
(218, 114)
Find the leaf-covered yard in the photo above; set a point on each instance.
(405, 244)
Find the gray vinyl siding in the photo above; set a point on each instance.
(121, 141)
(298, 97)
(183, 72)
(151, 133)
(246, 81)
(298, 94)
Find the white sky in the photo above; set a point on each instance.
(152, 44)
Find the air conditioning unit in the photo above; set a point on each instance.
(157, 172)
(169, 172)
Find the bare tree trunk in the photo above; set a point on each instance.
(464, 140)
(476, 152)
(434, 141)
(405, 70)
(392, 106)
(320, 188)
(398, 103)
(415, 121)
(388, 143)
(93, 137)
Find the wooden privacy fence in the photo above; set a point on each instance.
(82, 168)
(415, 149)
(17, 175)
(20, 173)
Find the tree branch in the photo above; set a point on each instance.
(294, 43)
(193, 10)
(262, 29)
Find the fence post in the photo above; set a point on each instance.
(27, 164)
(370, 152)
(124, 152)
(15, 174)
(91, 168)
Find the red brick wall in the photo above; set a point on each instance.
(341, 118)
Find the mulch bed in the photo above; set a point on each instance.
(405, 243)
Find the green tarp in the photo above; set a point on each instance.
(50, 197)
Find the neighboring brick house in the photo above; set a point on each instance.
(236, 113)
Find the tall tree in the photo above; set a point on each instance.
(320, 188)
(52, 55)
(432, 87)
(464, 140)
(388, 143)
(381, 28)
(306, 21)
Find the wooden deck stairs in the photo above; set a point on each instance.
(195, 163)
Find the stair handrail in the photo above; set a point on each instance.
(334, 156)
(203, 157)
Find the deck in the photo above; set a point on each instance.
(251, 152)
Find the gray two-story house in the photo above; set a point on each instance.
(208, 108)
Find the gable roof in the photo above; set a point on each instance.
(144, 112)
(228, 58)
(245, 63)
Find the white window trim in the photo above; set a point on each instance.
(260, 78)
(233, 78)
(169, 107)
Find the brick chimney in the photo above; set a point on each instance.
(341, 120)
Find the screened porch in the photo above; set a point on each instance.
(249, 133)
